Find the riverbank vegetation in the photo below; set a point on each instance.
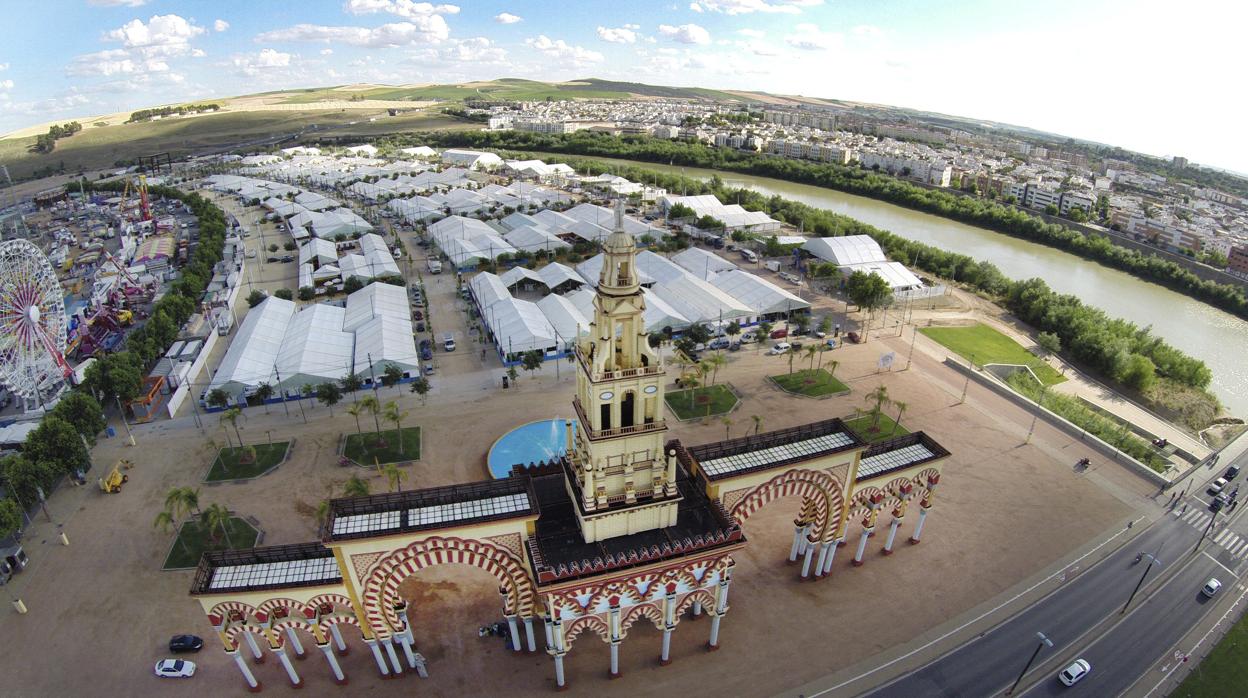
(984, 345)
(995, 216)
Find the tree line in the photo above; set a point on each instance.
(994, 216)
(46, 142)
(149, 114)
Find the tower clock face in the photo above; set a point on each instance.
(651, 389)
(606, 395)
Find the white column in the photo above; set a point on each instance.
(377, 655)
(528, 633)
(406, 641)
(697, 608)
(797, 542)
(827, 565)
(806, 563)
(255, 648)
(714, 642)
(288, 666)
(615, 659)
(559, 670)
(342, 646)
(823, 556)
(513, 630)
(665, 657)
(892, 533)
(328, 650)
(918, 529)
(394, 656)
(550, 638)
(293, 638)
(241, 661)
(862, 546)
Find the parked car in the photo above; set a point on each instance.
(175, 668)
(287, 258)
(1075, 673)
(853, 337)
(271, 260)
(1231, 472)
(420, 327)
(426, 349)
(448, 343)
(418, 315)
(748, 338)
(1218, 503)
(720, 343)
(831, 342)
(778, 348)
(185, 643)
(1211, 587)
(428, 369)
(1217, 486)
(780, 333)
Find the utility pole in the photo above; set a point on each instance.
(1152, 560)
(124, 423)
(278, 374)
(967, 384)
(1044, 642)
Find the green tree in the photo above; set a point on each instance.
(231, 415)
(394, 414)
(115, 376)
(284, 293)
(715, 362)
(352, 284)
(1049, 342)
(264, 391)
(83, 412)
(218, 398)
(727, 422)
(355, 410)
(758, 423)
(791, 354)
(329, 395)
(351, 382)
(532, 360)
(880, 398)
(394, 476)
(165, 521)
(1137, 372)
(732, 329)
(23, 477)
(373, 407)
(811, 351)
(420, 386)
(355, 487)
(56, 442)
(256, 297)
(868, 291)
(901, 409)
(217, 518)
(10, 517)
(764, 331)
(273, 247)
(391, 376)
(306, 293)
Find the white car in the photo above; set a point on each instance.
(1217, 486)
(1211, 587)
(778, 348)
(1074, 673)
(175, 668)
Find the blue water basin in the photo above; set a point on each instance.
(528, 444)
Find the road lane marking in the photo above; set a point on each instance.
(1218, 538)
(1215, 561)
(1239, 546)
(973, 621)
(1191, 515)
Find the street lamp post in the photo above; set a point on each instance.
(967, 384)
(1044, 642)
(1152, 560)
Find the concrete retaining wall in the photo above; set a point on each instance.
(1105, 448)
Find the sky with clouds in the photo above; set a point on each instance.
(1152, 76)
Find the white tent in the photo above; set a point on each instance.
(700, 301)
(519, 326)
(555, 275)
(317, 251)
(658, 314)
(532, 239)
(899, 278)
(254, 349)
(565, 317)
(703, 264)
(315, 348)
(516, 275)
(843, 251)
(759, 294)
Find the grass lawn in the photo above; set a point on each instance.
(887, 428)
(989, 346)
(719, 398)
(193, 540)
(227, 467)
(1224, 668)
(365, 449)
(811, 383)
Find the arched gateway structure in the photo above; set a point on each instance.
(628, 527)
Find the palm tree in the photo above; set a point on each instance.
(764, 331)
(758, 423)
(832, 365)
(811, 351)
(394, 476)
(792, 354)
(355, 410)
(165, 522)
(371, 404)
(901, 409)
(231, 415)
(822, 348)
(217, 517)
(180, 501)
(355, 487)
(322, 513)
(880, 397)
(716, 361)
(393, 414)
(727, 422)
(264, 391)
(351, 382)
(692, 383)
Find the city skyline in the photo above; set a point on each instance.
(1085, 70)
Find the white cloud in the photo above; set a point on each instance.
(162, 35)
(6, 85)
(752, 33)
(254, 64)
(220, 25)
(431, 29)
(563, 51)
(327, 52)
(686, 33)
(745, 7)
(115, 62)
(478, 49)
(621, 35)
(401, 8)
(116, 3)
(507, 18)
(4, 66)
(197, 53)
(868, 31)
(809, 37)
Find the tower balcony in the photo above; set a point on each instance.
(657, 425)
(599, 376)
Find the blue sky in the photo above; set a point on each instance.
(1147, 75)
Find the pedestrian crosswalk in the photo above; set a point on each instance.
(1232, 542)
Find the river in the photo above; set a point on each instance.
(1211, 335)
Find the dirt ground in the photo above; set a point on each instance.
(1004, 511)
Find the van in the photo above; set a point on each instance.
(779, 348)
(748, 338)
(448, 342)
(749, 256)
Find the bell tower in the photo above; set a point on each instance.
(619, 477)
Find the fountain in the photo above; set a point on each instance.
(528, 444)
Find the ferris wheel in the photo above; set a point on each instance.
(32, 321)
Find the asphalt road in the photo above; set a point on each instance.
(989, 664)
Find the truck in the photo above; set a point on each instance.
(435, 266)
(772, 265)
